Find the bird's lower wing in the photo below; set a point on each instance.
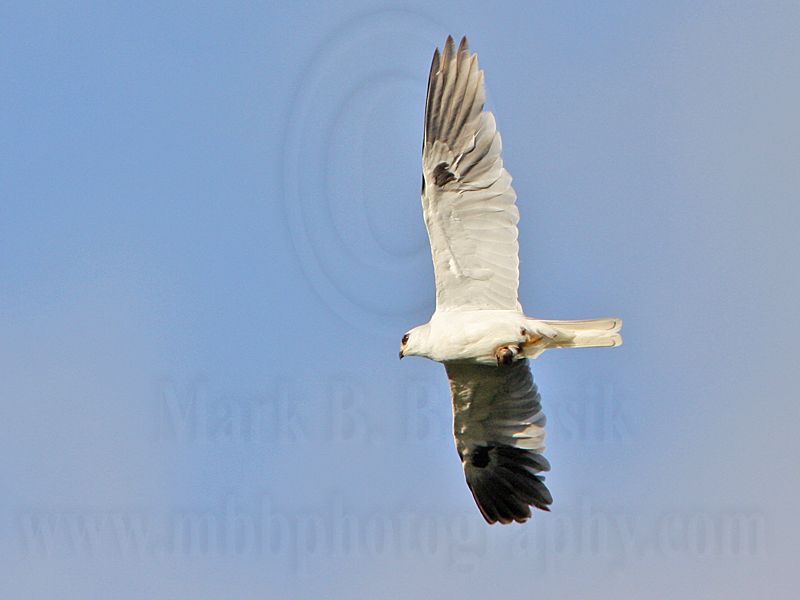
(499, 429)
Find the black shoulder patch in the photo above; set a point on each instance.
(480, 456)
(442, 174)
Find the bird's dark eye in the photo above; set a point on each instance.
(405, 340)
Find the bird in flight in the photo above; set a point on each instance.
(479, 331)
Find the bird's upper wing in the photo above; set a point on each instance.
(499, 430)
(467, 198)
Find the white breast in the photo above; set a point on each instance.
(473, 335)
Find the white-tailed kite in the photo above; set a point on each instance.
(478, 329)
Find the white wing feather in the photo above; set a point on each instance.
(467, 198)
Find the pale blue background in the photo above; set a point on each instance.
(211, 244)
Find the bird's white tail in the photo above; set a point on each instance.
(594, 333)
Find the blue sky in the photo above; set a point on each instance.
(211, 244)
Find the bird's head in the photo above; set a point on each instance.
(413, 342)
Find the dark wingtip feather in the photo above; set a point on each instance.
(506, 485)
(435, 62)
(464, 45)
(449, 50)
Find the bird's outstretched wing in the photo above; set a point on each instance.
(467, 198)
(499, 430)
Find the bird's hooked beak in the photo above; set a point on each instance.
(401, 354)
